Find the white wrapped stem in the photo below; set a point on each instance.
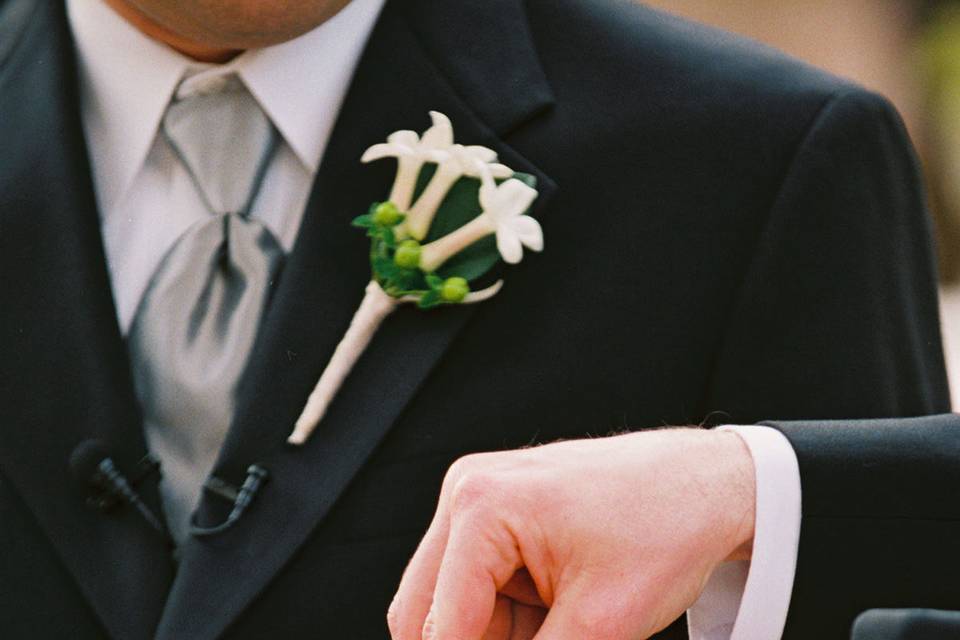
(376, 306)
(373, 310)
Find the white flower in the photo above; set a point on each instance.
(453, 162)
(457, 161)
(411, 152)
(503, 207)
(470, 160)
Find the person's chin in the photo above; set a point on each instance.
(236, 24)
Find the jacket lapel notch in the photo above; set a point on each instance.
(485, 50)
(59, 332)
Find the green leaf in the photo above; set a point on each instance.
(411, 292)
(461, 206)
(423, 179)
(429, 300)
(384, 268)
(382, 236)
(364, 221)
(408, 280)
(473, 262)
(388, 237)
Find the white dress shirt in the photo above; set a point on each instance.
(748, 600)
(145, 196)
(147, 200)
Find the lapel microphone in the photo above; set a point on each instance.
(256, 477)
(92, 467)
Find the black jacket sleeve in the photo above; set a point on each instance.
(837, 315)
(837, 318)
(881, 520)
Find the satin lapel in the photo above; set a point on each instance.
(64, 374)
(321, 287)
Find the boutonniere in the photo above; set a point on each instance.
(453, 213)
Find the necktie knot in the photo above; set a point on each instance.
(223, 138)
(207, 83)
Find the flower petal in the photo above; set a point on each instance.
(471, 166)
(488, 192)
(499, 170)
(440, 135)
(405, 137)
(483, 294)
(385, 150)
(481, 153)
(436, 155)
(512, 198)
(509, 245)
(475, 168)
(528, 231)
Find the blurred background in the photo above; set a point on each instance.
(908, 50)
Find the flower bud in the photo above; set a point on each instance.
(408, 254)
(454, 289)
(387, 214)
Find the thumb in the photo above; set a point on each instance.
(479, 559)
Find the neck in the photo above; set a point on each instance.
(196, 50)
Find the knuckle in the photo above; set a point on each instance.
(474, 491)
(464, 465)
(461, 468)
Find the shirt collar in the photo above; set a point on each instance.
(128, 79)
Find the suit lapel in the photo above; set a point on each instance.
(321, 287)
(65, 376)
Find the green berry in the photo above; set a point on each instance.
(387, 214)
(454, 289)
(408, 254)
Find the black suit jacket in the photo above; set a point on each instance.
(730, 236)
(880, 526)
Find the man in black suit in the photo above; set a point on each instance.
(727, 231)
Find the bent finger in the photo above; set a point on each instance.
(411, 603)
(480, 558)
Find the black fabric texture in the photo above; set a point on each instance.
(880, 526)
(731, 236)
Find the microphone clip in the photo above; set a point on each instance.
(94, 469)
(257, 476)
(104, 498)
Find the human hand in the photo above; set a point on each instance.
(610, 538)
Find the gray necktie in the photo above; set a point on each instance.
(193, 332)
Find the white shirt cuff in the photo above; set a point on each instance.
(749, 600)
